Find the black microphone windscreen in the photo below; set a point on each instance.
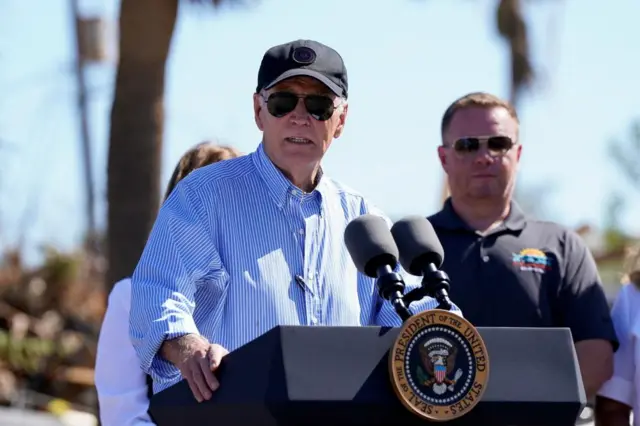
(370, 244)
(417, 243)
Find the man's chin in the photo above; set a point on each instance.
(296, 159)
(302, 152)
(484, 193)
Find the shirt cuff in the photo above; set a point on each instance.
(619, 390)
(161, 370)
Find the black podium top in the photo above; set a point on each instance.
(298, 375)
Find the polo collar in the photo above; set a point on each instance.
(449, 219)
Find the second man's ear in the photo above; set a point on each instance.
(257, 108)
(342, 120)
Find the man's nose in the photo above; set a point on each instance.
(483, 156)
(300, 115)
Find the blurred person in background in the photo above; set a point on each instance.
(123, 388)
(620, 395)
(510, 270)
(255, 242)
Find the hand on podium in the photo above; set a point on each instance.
(196, 359)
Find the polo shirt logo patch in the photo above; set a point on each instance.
(530, 259)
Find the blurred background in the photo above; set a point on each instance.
(99, 99)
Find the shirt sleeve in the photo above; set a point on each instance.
(620, 386)
(583, 305)
(179, 254)
(120, 383)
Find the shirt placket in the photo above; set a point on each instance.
(303, 233)
(312, 256)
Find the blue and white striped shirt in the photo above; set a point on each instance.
(237, 249)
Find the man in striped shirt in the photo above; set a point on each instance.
(251, 243)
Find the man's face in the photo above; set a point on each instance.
(299, 138)
(487, 172)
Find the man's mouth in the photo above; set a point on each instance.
(299, 141)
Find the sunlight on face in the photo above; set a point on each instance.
(481, 175)
(297, 140)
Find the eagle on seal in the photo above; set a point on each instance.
(438, 356)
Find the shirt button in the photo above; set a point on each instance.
(314, 320)
(300, 231)
(485, 258)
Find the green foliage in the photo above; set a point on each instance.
(615, 239)
(60, 267)
(28, 355)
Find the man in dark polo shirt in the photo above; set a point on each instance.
(507, 269)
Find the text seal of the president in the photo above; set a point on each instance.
(439, 365)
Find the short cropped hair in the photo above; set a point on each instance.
(475, 100)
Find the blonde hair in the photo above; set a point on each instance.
(632, 266)
(201, 155)
(475, 100)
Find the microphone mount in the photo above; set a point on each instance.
(435, 284)
(391, 287)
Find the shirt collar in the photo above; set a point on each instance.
(278, 185)
(449, 219)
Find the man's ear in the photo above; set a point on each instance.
(442, 155)
(342, 119)
(257, 107)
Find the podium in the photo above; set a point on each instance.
(312, 376)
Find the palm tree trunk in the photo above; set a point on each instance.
(137, 126)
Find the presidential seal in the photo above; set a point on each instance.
(439, 365)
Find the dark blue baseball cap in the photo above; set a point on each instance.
(303, 58)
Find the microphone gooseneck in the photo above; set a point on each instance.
(391, 287)
(421, 254)
(375, 254)
(436, 284)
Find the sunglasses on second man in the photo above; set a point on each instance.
(496, 145)
(320, 107)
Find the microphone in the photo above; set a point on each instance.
(421, 253)
(375, 254)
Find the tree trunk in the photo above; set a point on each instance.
(137, 126)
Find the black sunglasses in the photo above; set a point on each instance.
(320, 107)
(496, 145)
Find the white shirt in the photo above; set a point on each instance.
(120, 382)
(624, 385)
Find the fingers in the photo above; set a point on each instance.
(198, 371)
(200, 379)
(192, 371)
(195, 389)
(208, 377)
(215, 354)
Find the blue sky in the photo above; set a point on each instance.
(407, 60)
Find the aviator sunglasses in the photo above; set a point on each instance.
(496, 145)
(320, 107)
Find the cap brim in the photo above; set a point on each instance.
(296, 72)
